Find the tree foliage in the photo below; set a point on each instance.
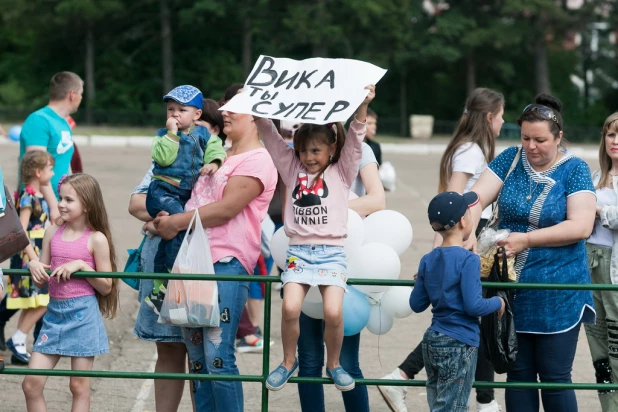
(433, 56)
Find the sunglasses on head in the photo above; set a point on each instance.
(544, 111)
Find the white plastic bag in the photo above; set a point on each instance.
(488, 238)
(192, 303)
(388, 176)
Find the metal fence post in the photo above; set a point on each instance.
(266, 345)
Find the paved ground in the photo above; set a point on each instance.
(118, 171)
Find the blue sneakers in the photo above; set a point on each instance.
(343, 380)
(279, 377)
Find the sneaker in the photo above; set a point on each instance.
(279, 377)
(18, 357)
(394, 396)
(242, 346)
(2, 340)
(155, 301)
(343, 380)
(258, 333)
(492, 406)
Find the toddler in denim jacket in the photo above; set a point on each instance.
(180, 152)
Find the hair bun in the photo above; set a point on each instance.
(549, 101)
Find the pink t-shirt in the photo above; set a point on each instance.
(316, 210)
(65, 251)
(240, 237)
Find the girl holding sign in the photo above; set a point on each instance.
(318, 172)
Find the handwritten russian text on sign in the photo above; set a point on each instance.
(307, 91)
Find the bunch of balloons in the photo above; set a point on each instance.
(373, 247)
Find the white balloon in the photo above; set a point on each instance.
(279, 246)
(356, 233)
(314, 310)
(314, 295)
(396, 301)
(374, 261)
(389, 227)
(379, 321)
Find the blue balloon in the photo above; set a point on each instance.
(356, 311)
(14, 133)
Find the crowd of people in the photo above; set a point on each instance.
(246, 176)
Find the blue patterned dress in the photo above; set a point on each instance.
(545, 311)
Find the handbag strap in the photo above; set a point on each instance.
(494, 214)
(141, 245)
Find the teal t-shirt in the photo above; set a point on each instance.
(45, 128)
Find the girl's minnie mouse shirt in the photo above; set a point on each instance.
(316, 209)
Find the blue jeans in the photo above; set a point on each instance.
(550, 357)
(311, 362)
(163, 196)
(450, 366)
(147, 326)
(211, 350)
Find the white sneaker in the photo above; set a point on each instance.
(394, 396)
(492, 406)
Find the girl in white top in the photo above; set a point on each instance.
(473, 145)
(602, 248)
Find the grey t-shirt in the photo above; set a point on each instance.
(142, 188)
(368, 157)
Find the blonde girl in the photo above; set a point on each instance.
(73, 325)
(318, 173)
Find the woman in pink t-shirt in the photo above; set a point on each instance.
(232, 204)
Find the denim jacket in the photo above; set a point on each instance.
(178, 158)
(609, 219)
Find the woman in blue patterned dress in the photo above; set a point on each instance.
(548, 203)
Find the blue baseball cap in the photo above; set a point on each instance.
(186, 95)
(447, 208)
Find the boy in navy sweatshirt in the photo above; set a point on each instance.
(449, 279)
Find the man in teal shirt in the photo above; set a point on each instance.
(47, 129)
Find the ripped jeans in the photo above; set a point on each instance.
(211, 350)
(603, 336)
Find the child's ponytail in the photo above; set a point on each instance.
(340, 136)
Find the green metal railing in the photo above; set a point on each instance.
(266, 349)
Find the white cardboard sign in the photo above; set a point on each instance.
(314, 90)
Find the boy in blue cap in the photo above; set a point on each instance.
(180, 153)
(449, 278)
